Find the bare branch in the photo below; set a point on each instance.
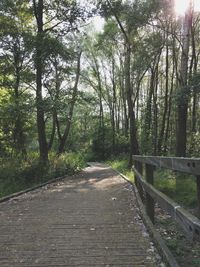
(54, 26)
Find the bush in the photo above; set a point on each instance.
(66, 163)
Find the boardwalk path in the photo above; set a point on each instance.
(88, 220)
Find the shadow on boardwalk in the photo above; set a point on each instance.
(88, 220)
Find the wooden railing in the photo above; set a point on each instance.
(189, 223)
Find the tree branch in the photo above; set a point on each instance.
(119, 22)
(35, 10)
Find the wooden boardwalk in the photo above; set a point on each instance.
(88, 220)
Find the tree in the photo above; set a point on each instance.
(59, 17)
(65, 135)
(15, 53)
(184, 91)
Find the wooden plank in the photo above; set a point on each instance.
(160, 243)
(187, 165)
(198, 192)
(166, 253)
(189, 223)
(139, 168)
(90, 219)
(149, 199)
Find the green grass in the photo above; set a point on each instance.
(121, 165)
(17, 174)
(180, 187)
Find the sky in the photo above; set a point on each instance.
(180, 9)
(98, 23)
(182, 5)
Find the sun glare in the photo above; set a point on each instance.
(98, 23)
(182, 5)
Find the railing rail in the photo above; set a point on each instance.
(189, 223)
(187, 165)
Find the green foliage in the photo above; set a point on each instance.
(107, 10)
(14, 113)
(17, 174)
(166, 181)
(138, 13)
(103, 147)
(122, 144)
(194, 144)
(99, 126)
(66, 163)
(120, 164)
(98, 145)
(108, 38)
(195, 82)
(182, 95)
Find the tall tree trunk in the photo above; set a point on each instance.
(55, 121)
(194, 112)
(146, 130)
(124, 98)
(101, 128)
(155, 113)
(39, 61)
(63, 140)
(134, 147)
(162, 131)
(193, 72)
(18, 133)
(53, 130)
(183, 93)
(169, 111)
(113, 107)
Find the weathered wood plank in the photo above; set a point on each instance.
(158, 239)
(198, 192)
(189, 223)
(149, 199)
(88, 220)
(187, 165)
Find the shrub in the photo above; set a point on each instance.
(66, 163)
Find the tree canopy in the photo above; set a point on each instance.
(132, 87)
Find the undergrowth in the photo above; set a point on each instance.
(180, 187)
(18, 174)
(121, 165)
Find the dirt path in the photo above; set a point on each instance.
(88, 220)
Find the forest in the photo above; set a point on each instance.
(95, 80)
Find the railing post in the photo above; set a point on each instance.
(198, 194)
(138, 166)
(149, 199)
